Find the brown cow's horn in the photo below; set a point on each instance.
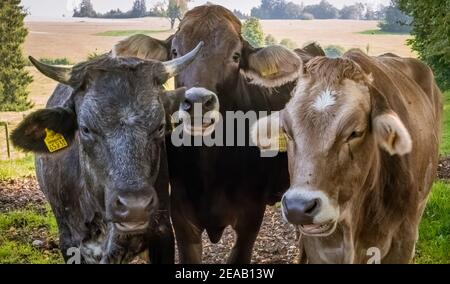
(60, 74)
(175, 66)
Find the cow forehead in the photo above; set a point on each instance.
(320, 108)
(122, 103)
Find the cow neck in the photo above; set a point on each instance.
(389, 181)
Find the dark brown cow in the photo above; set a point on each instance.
(363, 144)
(214, 187)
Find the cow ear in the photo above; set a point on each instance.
(309, 52)
(271, 66)
(268, 134)
(143, 47)
(390, 132)
(46, 130)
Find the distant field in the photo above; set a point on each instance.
(131, 32)
(74, 40)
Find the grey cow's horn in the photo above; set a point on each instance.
(60, 74)
(175, 66)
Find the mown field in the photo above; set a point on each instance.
(28, 232)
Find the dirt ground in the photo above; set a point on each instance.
(275, 243)
(444, 169)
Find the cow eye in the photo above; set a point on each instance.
(174, 53)
(236, 57)
(85, 130)
(355, 135)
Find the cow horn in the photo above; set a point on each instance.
(175, 66)
(60, 74)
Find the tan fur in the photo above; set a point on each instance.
(381, 179)
(392, 134)
(141, 46)
(274, 66)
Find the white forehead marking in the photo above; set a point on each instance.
(325, 100)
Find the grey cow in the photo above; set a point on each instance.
(101, 157)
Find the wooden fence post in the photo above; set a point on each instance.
(8, 149)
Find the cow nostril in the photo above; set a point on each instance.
(186, 105)
(119, 203)
(312, 206)
(149, 202)
(209, 102)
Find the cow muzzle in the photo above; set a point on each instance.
(199, 112)
(311, 211)
(131, 210)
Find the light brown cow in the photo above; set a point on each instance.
(363, 139)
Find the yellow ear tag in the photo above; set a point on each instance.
(282, 148)
(269, 72)
(54, 141)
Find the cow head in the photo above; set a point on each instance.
(334, 125)
(115, 115)
(227, 60)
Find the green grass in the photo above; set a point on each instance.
(17, 168)
(434, 242)
(28, 219)
(380, 32)
(130, 32)
(445, 144)
(56, 61)
(18, 229)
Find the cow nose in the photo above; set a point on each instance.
(299, 210)
(207, 99)
(134, 206)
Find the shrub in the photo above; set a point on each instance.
(93, 55)
(56, 61)
(307, 16)
(334, 51)
(270, 40)
(286, 42)
(252, 32)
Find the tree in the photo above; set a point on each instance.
(159, 9)
(86, 10)
(240, 15)
(323, 10)
(13, 77)
(252, 32)
(395, 20)
(176, 10)
(431, 31)
(353, 12)
(293, 11)
(139, 9)
(270, 40)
